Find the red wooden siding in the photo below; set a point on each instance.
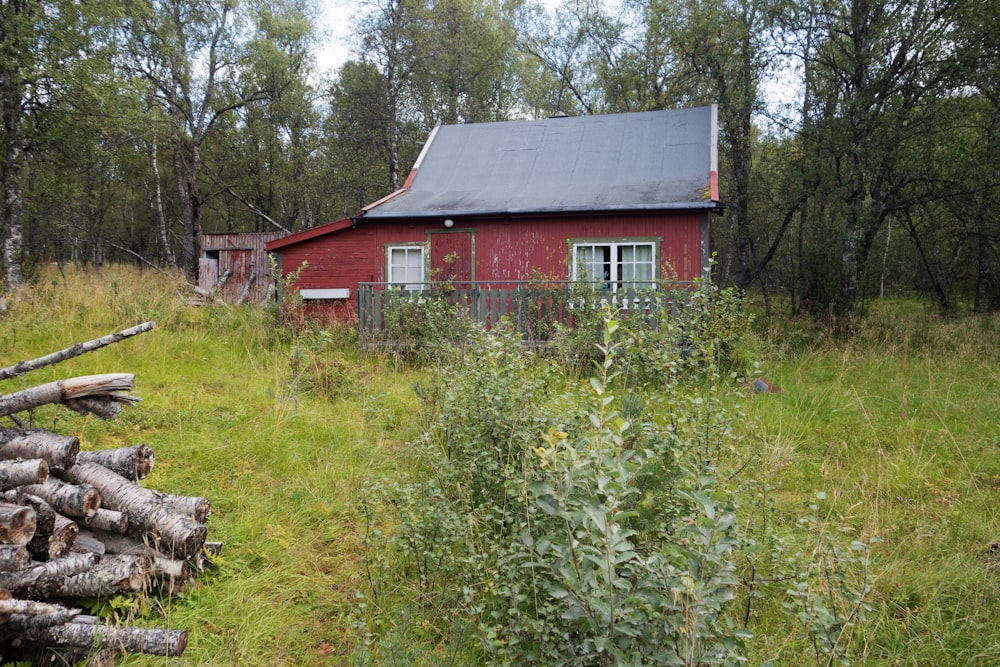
(497, 249)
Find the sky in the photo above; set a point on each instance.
(335, 30)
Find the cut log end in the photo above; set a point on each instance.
(17, 524)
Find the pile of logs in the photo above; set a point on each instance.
(77, 525)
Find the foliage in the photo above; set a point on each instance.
(609, 541)
(700, 327)
(590, 582)
(425, 325)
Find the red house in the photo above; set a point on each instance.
(620, 199)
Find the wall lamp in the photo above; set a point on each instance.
(449, 223)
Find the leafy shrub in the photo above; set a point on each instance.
(699, 327)
(425, 325)
(588, 523)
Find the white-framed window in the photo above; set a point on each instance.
(618, 264)
(405, 266)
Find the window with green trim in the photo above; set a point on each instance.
(405, 266)
(618, 264)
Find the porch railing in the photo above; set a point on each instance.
(389, 313)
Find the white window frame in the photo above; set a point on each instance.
(614, 263)
(406, 281)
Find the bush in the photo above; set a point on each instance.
(589, 523)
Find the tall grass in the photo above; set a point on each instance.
(899, 428)
(282, 428)
(225, 410)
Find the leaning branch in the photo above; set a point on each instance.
(71, 391)
(22, 367)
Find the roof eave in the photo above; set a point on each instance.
(465, 213)
(307, 234)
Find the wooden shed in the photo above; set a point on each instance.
(236, 266)
(618, 200)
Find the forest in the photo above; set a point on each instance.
(858, 139)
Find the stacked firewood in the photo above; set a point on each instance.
(78, 526)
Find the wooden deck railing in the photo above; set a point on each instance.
(388, 314)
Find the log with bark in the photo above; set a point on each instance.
(111, 521)
(76, 350)
(133, 463)
(45, 516)
(58, 451)
(19, 473)
(151, 515)
(56, 543)
(165, 570)
(106, 387)
(151, 641)
(68, 499)
(13, 557)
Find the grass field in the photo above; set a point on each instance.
(896, 429)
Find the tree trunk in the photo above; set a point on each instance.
(161, 219)
(13, 40)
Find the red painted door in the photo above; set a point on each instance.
(452, 256)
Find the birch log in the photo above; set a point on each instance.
(151, 641)
(76, 350)
(133, 463)
(108, 384)
(73, 500)
(19, 473)
(104, 519)
(57, 543)
(13, 557)
(45, 516)
(176, 534)
(165, 570)
(110, 576)
(44, 579)
(59, 451)
(20, 615)
(196, 507)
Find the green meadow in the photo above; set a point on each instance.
(890, 438)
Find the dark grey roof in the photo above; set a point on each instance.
(647, 160)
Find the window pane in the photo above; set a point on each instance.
(591, 262)
(406, 266)
(636, 262)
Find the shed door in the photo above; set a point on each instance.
(453, 256)
(208, 270)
